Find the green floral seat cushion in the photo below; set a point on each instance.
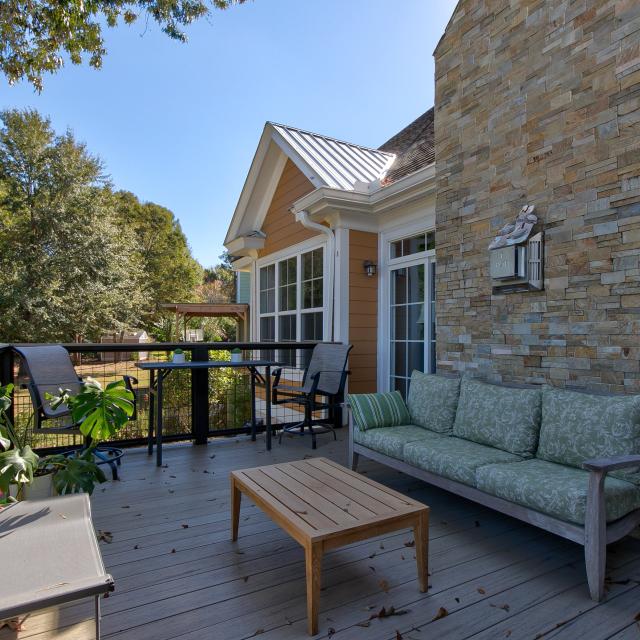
(501, 417)
(432, 401)
(454, 458)
(375, 410)
(391, 440)
(555, 489)
(578, 426)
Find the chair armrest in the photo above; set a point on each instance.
(611, 464)
(276, 373)
(129, 381)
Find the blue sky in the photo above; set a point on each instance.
(178, 124)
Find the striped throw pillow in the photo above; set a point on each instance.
(375, 410)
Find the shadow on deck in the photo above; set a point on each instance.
(178, 575)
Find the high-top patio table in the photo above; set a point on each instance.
(323, 505)
(158, 371)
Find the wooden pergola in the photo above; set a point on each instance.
(186, 310)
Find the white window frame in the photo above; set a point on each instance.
(386, 264)
(275, 258)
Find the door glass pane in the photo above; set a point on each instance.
(398, 286)
(399, 384)
(416, 357)
(415, 289)
(416, 321)
(399, 359)
(398, 323)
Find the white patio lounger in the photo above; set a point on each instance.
(49, 549)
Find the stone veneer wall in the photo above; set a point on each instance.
(539, 102)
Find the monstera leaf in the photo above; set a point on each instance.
(98, 412)
(17, 466)
(76, 473)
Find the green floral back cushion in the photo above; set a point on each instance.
(578, 426)
(432, 401)
(375, 410)
(501, 417)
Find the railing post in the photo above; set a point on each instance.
(200, 397)
(6, 374)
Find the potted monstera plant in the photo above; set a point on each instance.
(18, 462)
(99, 412)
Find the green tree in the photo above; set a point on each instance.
(37, 35)
(68, 270)
(171, 273)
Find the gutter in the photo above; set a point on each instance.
(303, 218)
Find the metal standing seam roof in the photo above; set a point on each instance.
(340, 165)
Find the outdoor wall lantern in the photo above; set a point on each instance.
(370, 268)
(516, 257)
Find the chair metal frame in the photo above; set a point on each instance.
(315, 382)
(43, 410)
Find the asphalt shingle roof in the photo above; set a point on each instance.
(413, 146)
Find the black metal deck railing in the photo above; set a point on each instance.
(198, 404)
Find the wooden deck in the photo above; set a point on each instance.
(178, 575)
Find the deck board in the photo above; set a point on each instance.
(191, 582)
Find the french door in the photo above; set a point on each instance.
(412, 331)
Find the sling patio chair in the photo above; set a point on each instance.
(324, 377)
(50, 369)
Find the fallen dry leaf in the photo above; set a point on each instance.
(173, 550)
(507, 633)
(391, 611)
(185, 526)
(258, 632)
(442, 612)
(246, 578)
(481, 591)
(504, 607)
(410, 543)
(331, 632)
(384, 585)
(373, 555)
(105, 536)
(15, 624)
(398, 635)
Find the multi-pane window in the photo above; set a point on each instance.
(291, 298)
(415, 244)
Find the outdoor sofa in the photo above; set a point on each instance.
(565, 461)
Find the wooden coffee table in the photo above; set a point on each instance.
(324, 505)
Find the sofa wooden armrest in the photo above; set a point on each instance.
(612, 464)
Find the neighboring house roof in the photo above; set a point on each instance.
(340, 165)
(413, 147)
